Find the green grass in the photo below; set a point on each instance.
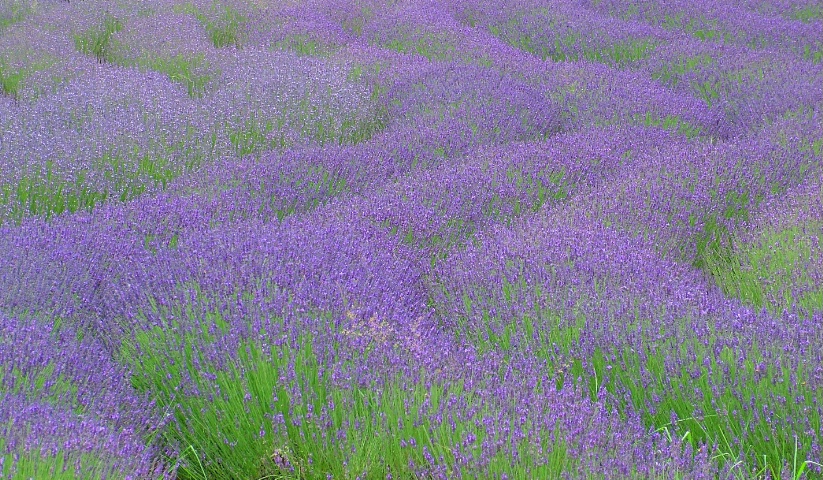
(707, 416)
(227, 31)
(356, 23)
(706, 30)
(17, 12)
(130, 173)
(43, 385)
(815, 56)
(35, 196)
(761, 272)
(306, 46)
(672, 74)
(714, 240)
(255, 136)
(52, 195)
(224, 25)
(12, 80)
(708, 91)
(330, 128)
(672, 123)
(96, 41)
(566, 48)
(318, 180)
(186, 70)
(706, 33)
(259, 133)
(807, 14)
(429, 46)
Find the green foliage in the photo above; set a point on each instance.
(622, 53)
(706, 34)
(815, 56)
(808, 13)
(254, 137)
(672, 74)
(574, 46)
(356, 23)
(353, 130)
(51, 195)
(541, 329)
(673, 123)
(704, 29)
(709, 415)
(96, 41)
(321, 184)
(225, 34)
(328, 128)
(306, 46)
(227, 30)
(180, 69)
(132, 173)
(708, 91)
(428, 45)
(761, 273)
(672, 22)
(11, 81)
(36, 196)
(16, 11)
(42, 384)
(224, 25)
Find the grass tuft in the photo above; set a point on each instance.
(306, 46)
(224, 25)
(11, 80)
(96, 41)
(759, 273)
(180, 69)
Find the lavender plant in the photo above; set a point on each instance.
(466, 239)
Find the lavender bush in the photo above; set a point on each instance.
(475, 239)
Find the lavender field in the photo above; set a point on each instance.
(411, 239)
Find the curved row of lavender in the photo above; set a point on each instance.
(411, 239)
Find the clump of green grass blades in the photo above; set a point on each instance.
(180, 69)
(306, 46)
(759, 273)
(11, 80)
(96, 41)
(226, 30)
(32, 195)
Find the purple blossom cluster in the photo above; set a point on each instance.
(474, 239)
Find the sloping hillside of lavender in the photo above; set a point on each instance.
(411, 239)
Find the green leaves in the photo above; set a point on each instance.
(96, 41)
(190, 71)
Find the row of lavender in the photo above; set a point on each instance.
(188, 96)
(508, 241)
